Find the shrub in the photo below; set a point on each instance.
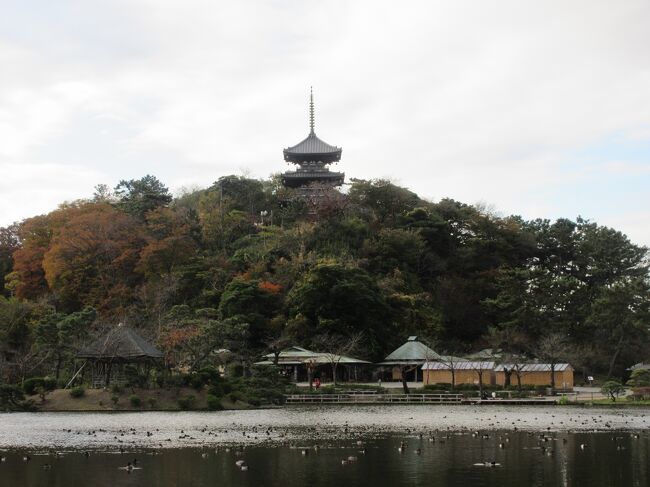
(134, 378)
(197, 382)
(10, 397)
(216, 390)
(115, 398)
(563, 401)
(214, 403)
(639, 378)
(254, 401)
(179, 380)
(613, 389)
(236, 396)
(640, 394)
(326, 390)
(152, 402)
(49, 383)
(116, 389)
(31, 384)
(77, 392)
(442, 386)
(541, 390)
(135, 401)
(186, 403)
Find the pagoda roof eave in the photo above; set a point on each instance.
(312, 146)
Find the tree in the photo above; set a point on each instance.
(336, 348)
(92, 259)
(452, 363)
(58, 334)
(613, 389)
(28, 276)
(552, 349)
(343, 301)
(620, 317)
(9, 243)
(386, 200)
(253, 302)
(169, 242)
(193, 338)
(139, 196)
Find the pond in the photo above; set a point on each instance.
(356, 446)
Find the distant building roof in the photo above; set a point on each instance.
(534, 367)
(462, 365)
(640, 365)
(297, 356)
(121, 342)
(411, 352)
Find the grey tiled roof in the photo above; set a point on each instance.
(297, 355)
(411, 352)
(534, 367)
(312, 146)
(466, 365)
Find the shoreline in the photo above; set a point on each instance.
(174, 429)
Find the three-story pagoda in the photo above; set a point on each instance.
(312, 156)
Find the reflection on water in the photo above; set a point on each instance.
(527, 459)
(443, 446)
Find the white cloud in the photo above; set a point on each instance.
(480, 101)
(28, 189)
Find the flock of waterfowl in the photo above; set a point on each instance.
(414, 441)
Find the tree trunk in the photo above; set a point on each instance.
(619, 346)
(404, 380)
(507, 375)
(453, 379)
(57, 372)
(553, 379)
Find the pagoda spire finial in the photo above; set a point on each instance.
(311, 110)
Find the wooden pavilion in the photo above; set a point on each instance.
(109, 355)
(300, 363)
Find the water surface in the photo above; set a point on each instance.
(443, 446)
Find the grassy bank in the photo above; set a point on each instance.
(176, 399)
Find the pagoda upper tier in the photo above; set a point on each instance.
(312, 155)
(312, 149)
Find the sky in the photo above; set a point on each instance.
(540, 109)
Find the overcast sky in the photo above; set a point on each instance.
(535, 108)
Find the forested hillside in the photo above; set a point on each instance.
(237, 266)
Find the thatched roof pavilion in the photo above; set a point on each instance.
(118, 347)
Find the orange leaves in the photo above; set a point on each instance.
(270, 287)
(177, 337)
(93, 253)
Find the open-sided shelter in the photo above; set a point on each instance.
(121, 346)
(295, 361)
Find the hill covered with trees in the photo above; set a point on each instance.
(245, 266)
